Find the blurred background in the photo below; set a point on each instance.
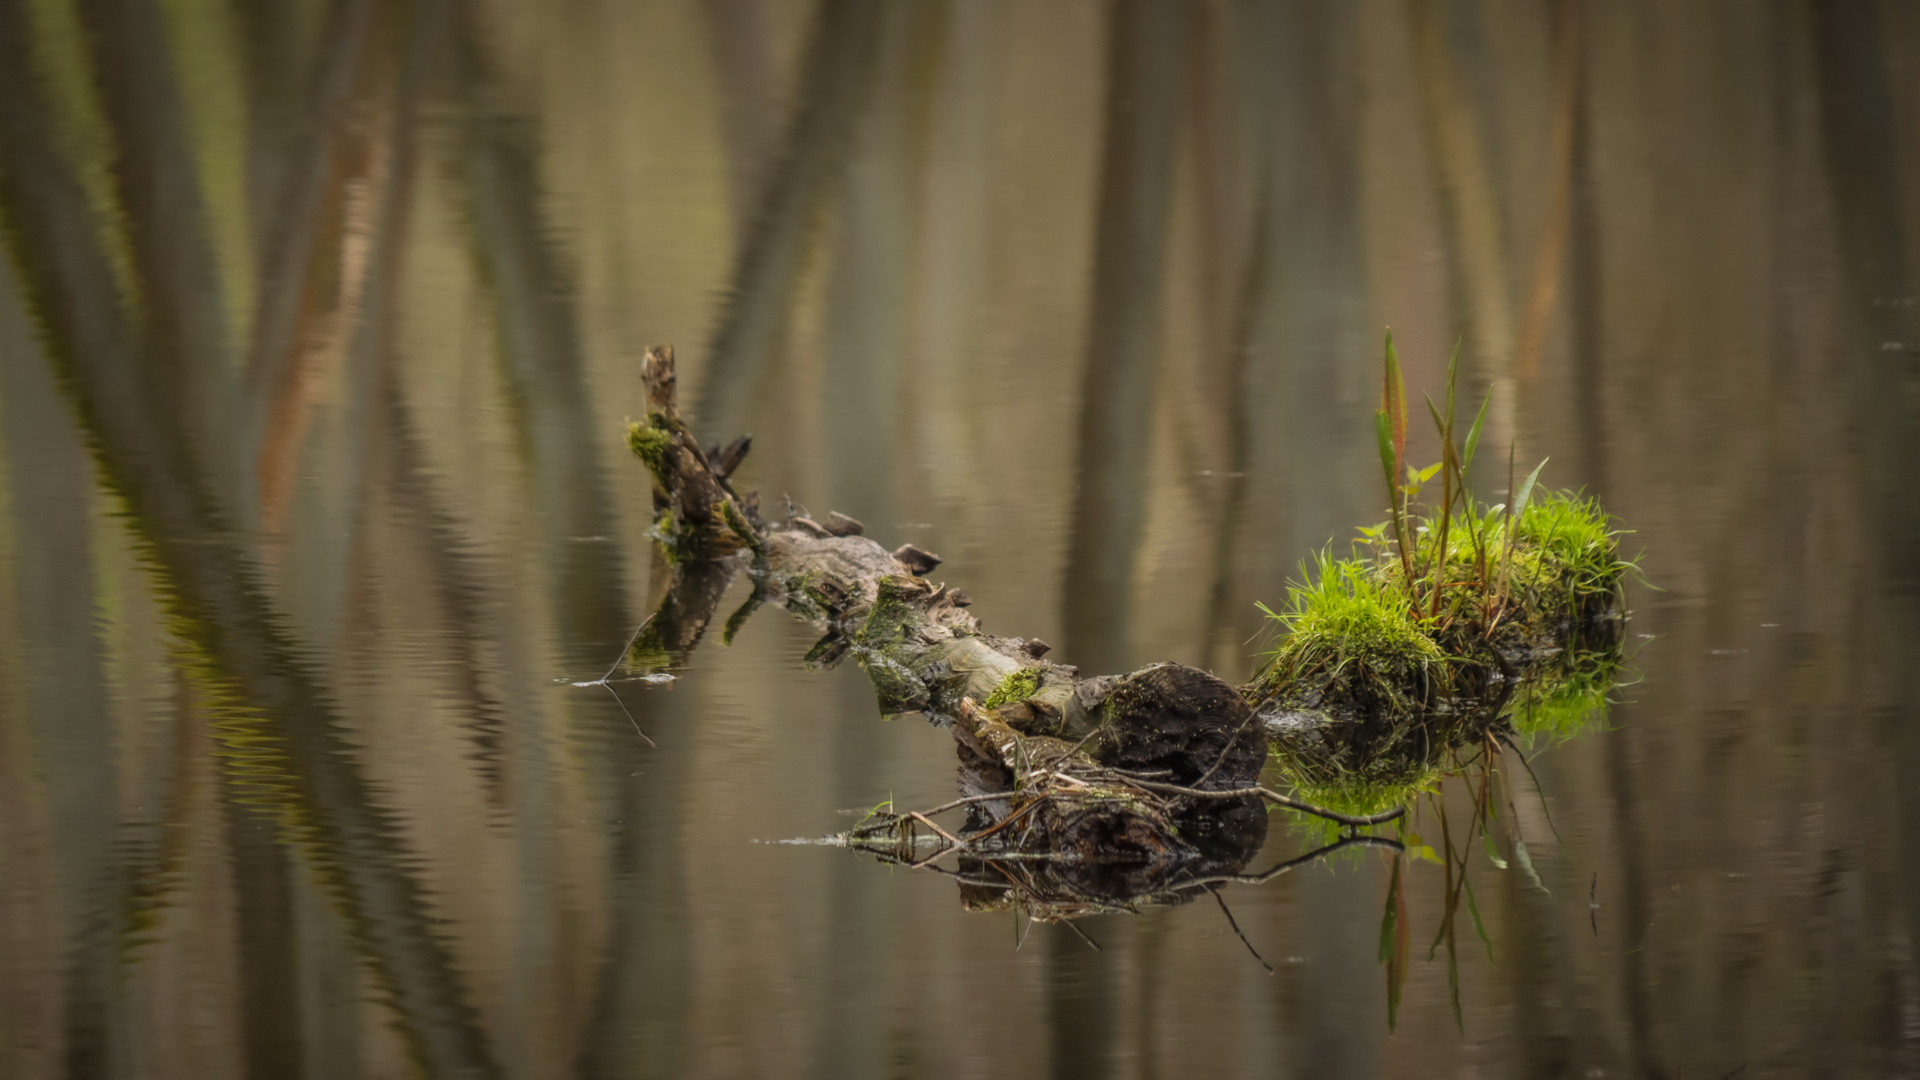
(318, 321)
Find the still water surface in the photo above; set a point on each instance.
(319, 321)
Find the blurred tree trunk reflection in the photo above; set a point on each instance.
(1872, 204)
(843, 56)
(121, 371)
(63, 685)
(1145, 76)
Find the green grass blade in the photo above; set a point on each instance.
(1473, 435)
(1393, 399)
(1526, 864)
(1473, 909)
(1453, 380)
(1526, 490)
(1385, 434)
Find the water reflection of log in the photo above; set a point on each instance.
(1052, 889)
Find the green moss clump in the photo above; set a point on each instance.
(894, 613)
(1390, 682)
(650, 442)
(1019, 686)
(1349, 623)
(895, 686)
(1570, 555)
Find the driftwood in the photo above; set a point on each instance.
(1132, 788)
(1087, 793)
(921, 647)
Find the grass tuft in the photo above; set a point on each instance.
(1348, 618)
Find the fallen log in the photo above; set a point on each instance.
(1389, 666)
(921, 647)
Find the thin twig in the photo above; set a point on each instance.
(931, 824)
(1537, 789)
(1297, 861)
(1275, 798)
(1228, 749)
(602, 681)
(944, 807)
(1218, 899)
(1068, 923)
(629, 712)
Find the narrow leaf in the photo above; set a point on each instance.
(1388, 922)
(1493, 853)
(1453, 379)
(1526, 863)
(1526, 489)
(1386, 446)
(1393, 398)
(1473, 434)
(1473, 909)
(1395, 946)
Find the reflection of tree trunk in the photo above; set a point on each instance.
(120, 377)
(1079, 1003)
(1866, 189)
(347, 243)
(157, 183)
(837, 74)
(1550, 257)
(403, 472)
(1470, 215)
(1588, 333)
(635, 1025)
(300, 137)
(1236, 407)
(62, 687)
(865, 386)
(1144, 78)
(543, 357)
(1589, 314)
(265, 923)
(737, 32)
(870, 275)
(1636, 912)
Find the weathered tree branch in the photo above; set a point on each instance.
(920, 646)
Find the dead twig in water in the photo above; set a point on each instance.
(1273, 797)
(602, 681)
(1218, 899)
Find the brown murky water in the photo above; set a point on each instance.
(317, 327)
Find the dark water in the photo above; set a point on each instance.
(320, 319)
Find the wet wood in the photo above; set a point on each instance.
(921, 647)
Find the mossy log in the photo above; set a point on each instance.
(921, 647)
(1367, 697)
